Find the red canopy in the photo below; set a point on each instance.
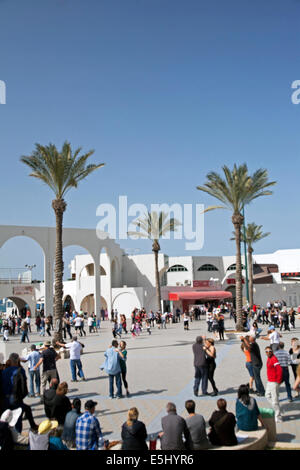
(205, 295)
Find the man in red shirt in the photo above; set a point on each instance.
(274, 374)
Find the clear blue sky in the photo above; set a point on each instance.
(164, 91)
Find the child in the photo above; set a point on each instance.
(148, 326)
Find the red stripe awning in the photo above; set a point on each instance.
(205, 295)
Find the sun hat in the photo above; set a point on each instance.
(47, 343)
(11, 416)
(46, 426)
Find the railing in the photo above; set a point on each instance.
(15, 281)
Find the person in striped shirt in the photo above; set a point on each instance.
(274, 374)
(285, 361)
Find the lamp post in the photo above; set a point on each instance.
(246, 261)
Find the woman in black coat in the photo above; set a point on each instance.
(134, 432)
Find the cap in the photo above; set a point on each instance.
(271, 327)
(90, 404)
(47, 343)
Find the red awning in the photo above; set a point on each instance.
(205, 295)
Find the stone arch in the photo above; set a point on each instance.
(68, 303)
(124, 305)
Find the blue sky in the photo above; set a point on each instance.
(164, 91)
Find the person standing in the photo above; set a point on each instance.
(252, 346)
(295, 355)
(88, 430)
(48, 358)
(274, 337)
(200, 365)
(186, 319)
(28, 320)
(274, 374)
(221, 326)
(248, 364)
(24, 332)
(34, 375)
(209, 320)
(113, 368)
(123, 355)
(48, 325)
(75, 348)
(285, 361)
(211, 354)
(81, 326)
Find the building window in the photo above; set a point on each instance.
(176, 268)
(208, 267)
(232, 267)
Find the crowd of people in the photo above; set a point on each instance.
(66, 426)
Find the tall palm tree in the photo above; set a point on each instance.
(154, 226)
(253, 234)
(61, 171)
(235, 190)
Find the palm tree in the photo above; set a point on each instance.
(253, 234)
(154, 226)
(61, 171)
(235, 190)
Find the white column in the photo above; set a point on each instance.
(97, 286)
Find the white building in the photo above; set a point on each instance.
(125, 282)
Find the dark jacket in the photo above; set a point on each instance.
(134, 437)
(222, 425)
(174, 427)
(61, 405)
(48, 398)
(199, 355)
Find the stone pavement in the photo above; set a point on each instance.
(160, 369)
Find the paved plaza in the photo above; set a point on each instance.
(160, 369)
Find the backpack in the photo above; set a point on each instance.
(19, 390)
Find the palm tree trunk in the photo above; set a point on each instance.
(250, 264)
(155, 249)
(237, 221)
(59, 207)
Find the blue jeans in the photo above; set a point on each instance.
(34, 376)
(201, 375)
(24, 336)
(76, 363)
(118, 383)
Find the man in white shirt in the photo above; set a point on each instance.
(274, 338)
(75, 349)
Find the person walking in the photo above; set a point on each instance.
(295, 355)
(75, 348)
(274, 374)
(285, 361)
(200, 365)
(81, 326)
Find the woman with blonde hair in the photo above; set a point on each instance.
(134, 433)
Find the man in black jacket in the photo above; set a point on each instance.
(256, 360)
(200, 364)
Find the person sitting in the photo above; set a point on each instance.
(196, 426)
(246, 410)
(69, 431)
(173, 428)
(40, 440)
(11, 418)
(55, 441)
(61, 404)
(134, 432)
(48, 397)
(222, 425)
